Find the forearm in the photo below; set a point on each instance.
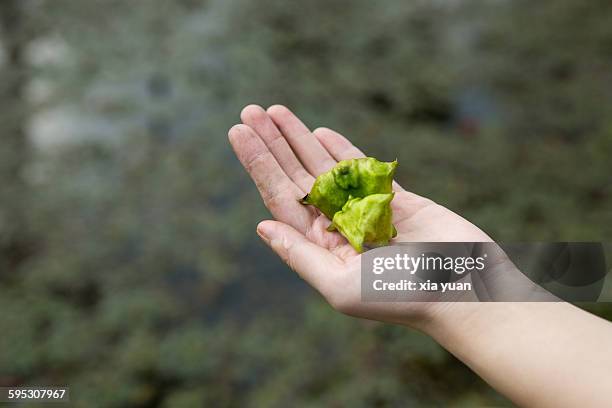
(537, 354)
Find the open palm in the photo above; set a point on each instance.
(283, 157)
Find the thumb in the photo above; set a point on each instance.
(313, 263)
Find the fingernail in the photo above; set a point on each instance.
(264, 230)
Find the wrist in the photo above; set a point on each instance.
(442, 318)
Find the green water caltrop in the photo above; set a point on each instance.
(366, 220)
(354, 177)
(356, 196)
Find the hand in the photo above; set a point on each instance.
(283, 157)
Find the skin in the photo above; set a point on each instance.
(548, 354)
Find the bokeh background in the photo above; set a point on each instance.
(129, 265)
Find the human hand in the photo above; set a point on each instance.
(283, 158)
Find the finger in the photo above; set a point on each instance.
(279, 193)
(341, 148)
(314, 264)
(337, 145)
(259, 120)
(307, 148)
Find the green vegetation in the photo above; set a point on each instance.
(356, 196)
(129, 265)
(366, 220)
(354, 177)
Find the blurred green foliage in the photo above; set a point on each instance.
(129, 266)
